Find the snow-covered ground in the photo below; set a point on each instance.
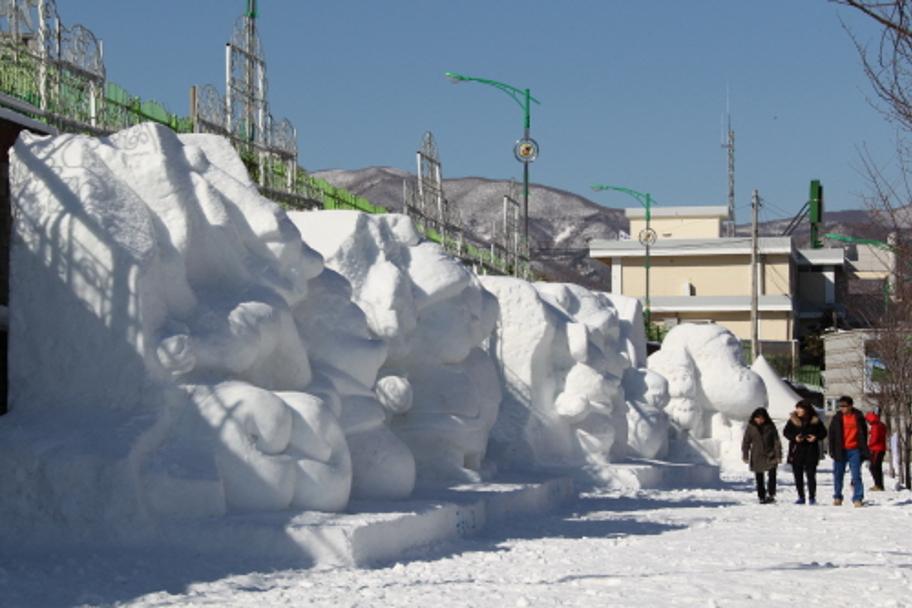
(708, 547)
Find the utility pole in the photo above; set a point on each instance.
(755, 232)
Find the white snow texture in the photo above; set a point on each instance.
(181, 347)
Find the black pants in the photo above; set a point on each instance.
(770, 488)
(877, 468)
(805, 470)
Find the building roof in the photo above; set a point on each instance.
(720, 211)
(830, 256)
(610, 248)
(766, 303)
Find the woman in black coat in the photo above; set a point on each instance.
(804, 430)
(762, 450)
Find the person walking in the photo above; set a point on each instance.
(804, 431)
(848, 445)
(762, 450)
(877, 446)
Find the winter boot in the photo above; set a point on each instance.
(837, 502)
(857, 503)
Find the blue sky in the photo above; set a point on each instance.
(632, 92)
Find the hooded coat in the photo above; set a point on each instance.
(877, 438)
(804, 453)
(761, 446)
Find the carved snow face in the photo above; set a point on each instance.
(687, 414)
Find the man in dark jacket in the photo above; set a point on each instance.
(848, 445)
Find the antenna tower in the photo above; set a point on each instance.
(729, 145)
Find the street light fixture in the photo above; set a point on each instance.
(647, 236)
(526, 149)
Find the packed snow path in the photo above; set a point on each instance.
(656, 548)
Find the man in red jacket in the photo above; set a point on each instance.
(877, 445)
(848, 446)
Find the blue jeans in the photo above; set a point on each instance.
(853, 458)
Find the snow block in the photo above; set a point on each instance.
(653, 474)
(383, 532)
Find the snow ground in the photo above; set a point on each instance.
(707, 547)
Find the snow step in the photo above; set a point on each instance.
(653, 474)
(374, 532)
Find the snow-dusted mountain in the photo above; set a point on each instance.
(560, 222)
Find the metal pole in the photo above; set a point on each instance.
(228, 92)
(526, 126)
(42, 44)
(755, 321)
(648, 259)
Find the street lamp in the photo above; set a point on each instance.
(647, 237)
(526, 149)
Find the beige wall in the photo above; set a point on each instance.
(772, 326)
(727, 275)
(776, 275)
(710, 275)
(680, 227)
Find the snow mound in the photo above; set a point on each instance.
(782, 398)
(441, 388)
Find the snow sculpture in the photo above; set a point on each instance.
(154, 338)
(346, 360)
(434, 316)
(712, 392)
(557, 347)
(646, 391)
(782, 398)
(684, 405)
(647, 422)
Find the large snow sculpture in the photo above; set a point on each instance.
(434, 316)
(645, 390)
(557, 348)
(712, 392)
(153, 338)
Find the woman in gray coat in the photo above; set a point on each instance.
(762, 450)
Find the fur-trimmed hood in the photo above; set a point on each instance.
(797, 421)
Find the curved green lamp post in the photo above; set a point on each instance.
(525, 149)
(647, 237)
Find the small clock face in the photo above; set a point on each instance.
(648, 237)
(526, 150)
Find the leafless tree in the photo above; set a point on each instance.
(888, 65)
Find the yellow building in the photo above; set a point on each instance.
(698, 275)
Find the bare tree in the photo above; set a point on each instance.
(888, 65)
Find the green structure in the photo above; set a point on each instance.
(815, 212)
